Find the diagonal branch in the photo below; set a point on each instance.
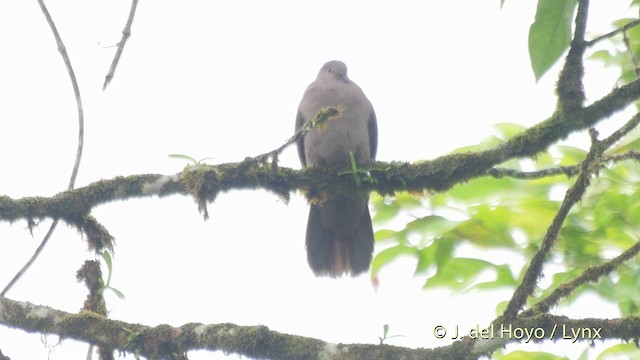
(76, 166)
(592, 274)
(573, 195)
(126, 33)
(615, 32)
(76, 91)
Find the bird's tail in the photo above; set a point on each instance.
(339, 243)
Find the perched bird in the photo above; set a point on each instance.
(339, 236)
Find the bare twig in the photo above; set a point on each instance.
(615, 32)
(126, 33)
(28, 264)
(76, 90)
(76, 166)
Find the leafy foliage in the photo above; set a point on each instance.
(550, 33)
(478, 236)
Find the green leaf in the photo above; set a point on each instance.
(426, 258)
(439, 253)
(482, 189)
(550, 34)
(571, 155)
(529, 355)
(487, 143)
(406, 200)
(385, 234)
(627, 351)
(602, 55)
(107, 260)
(504, 279)
(384, 212)
(458, 273)
(432, 225)
(489, 227)
(509, 130)
(386, 256)
(628, 143)
(584, 355)
(183, 157)
(106, 256)
(501, 307)
(117, 292)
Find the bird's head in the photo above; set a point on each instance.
(335, 69)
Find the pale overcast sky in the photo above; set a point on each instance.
(223, 80)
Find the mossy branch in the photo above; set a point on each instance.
(166, 342)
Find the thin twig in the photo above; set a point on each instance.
(26, 266)
(498, 173)
(635, 155)
(632, 56)
(618, 134)
(74, 173)
(319, 120)
(591, 274)
(569, 171)
(126, 33)
(615, 32)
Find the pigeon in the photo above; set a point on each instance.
(339, 237)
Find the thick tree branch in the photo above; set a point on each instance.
(570, 89)
(546, 327)
(91, 274)
(168, 342)
(207, 181)
(439, 174)
(204, 182)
